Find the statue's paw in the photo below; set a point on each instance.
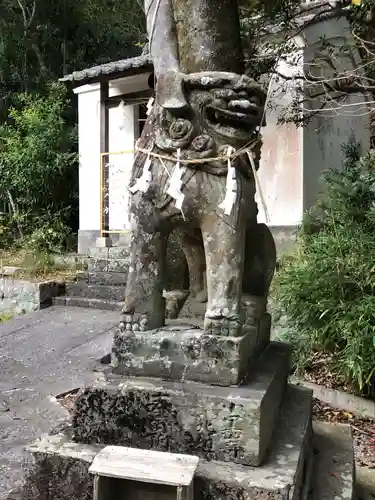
(133, 323)
(226, 327)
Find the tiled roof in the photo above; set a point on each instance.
(109, 69)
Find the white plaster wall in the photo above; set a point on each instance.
(281, 172)
(123, 132)
(89, 157)
(330, 129)
(121, 137)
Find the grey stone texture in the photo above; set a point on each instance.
(181, 352)
(21, 296)
(104, 305)
(205, 116)
(335, 465)
(58, 460)
(365, 483)
(94, 291)
(43, 354)
(103, 278)
(217, 423)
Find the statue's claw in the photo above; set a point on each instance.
(218, 324)
(133, 322)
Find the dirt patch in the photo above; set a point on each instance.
(319, 372)
(363, 430)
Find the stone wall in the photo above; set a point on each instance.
(20, 296)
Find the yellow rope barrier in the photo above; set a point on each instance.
(244, 150)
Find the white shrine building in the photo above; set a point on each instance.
(112, 106)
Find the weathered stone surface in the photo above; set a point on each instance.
(105, 292)
(181, 352)
(101, 304)
(94, 264)
(58, 459)
(102, 278)
(217, 423)
(205, 117)
(335, 465)
(21, 296)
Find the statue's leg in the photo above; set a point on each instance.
(192, 245)
(224, 247)
(144, 305)
(164, 51)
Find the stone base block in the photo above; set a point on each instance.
(217, 423)
(183, 352)
(103, 242)
(58, 460)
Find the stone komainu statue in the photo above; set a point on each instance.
(192, 175)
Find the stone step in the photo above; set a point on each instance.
(88, 303)
(334, 471)
(281, 477)
(218, 423)
(107, 265)
(105, 292)
(108, 253)
(102, 278)
(365, 483)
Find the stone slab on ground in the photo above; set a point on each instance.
(335, 467)
(102, 278)
(183, 352)
(216, 423)
(22, 296)
(83, 302)
(365, 483)
(44, 353)
(58, 459)
(340, 399)
(91, 291)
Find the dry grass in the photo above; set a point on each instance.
(36, 266)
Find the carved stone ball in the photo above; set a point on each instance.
(180, 128)
(202, 143)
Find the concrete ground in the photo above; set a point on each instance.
(43, 354)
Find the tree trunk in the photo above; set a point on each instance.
(208, 33)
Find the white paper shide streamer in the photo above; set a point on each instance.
(121, 115)
(231, 187)
(175, 183)
(143, 183)
(150, 105)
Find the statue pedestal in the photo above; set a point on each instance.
(181, 352)
(232, 424)
(253, 440)
(64, 465)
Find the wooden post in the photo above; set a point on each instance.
(104, 147)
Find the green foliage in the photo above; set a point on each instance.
(327, 292)
(42, 39)
(50, 233)
(38, 167)
(6, 316)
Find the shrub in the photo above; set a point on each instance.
(38, 161)
(327, 292)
